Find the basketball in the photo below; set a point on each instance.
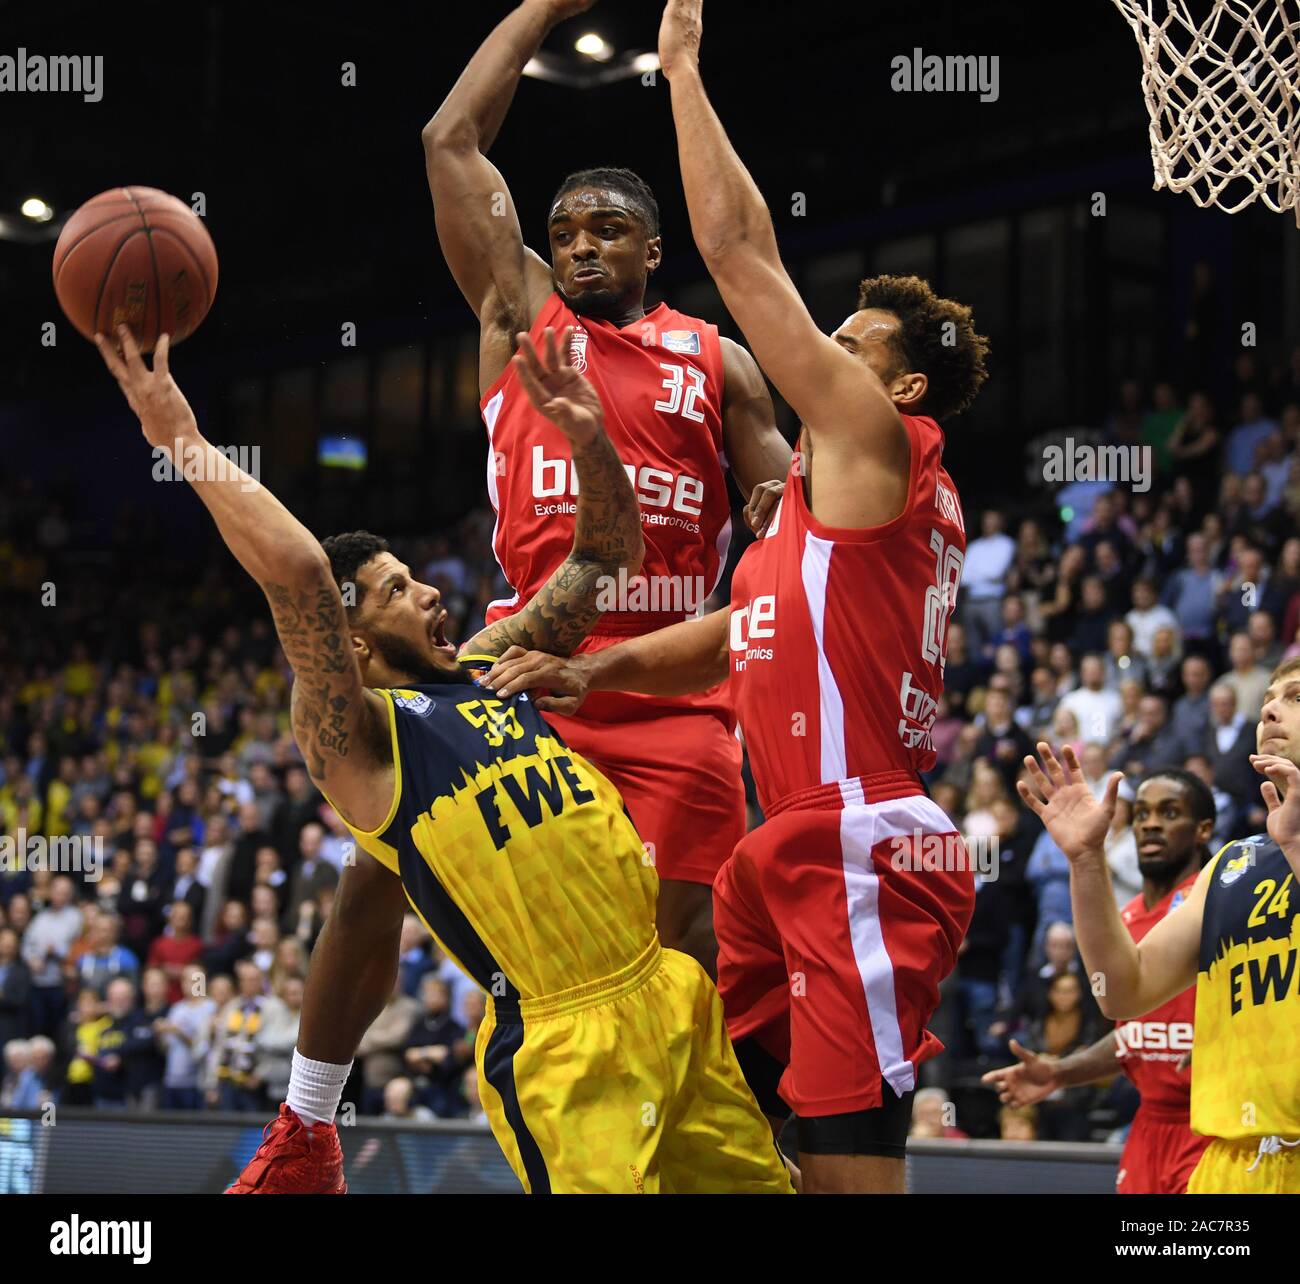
(137, 256)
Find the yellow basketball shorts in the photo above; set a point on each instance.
(1253, 1166)
(626, 1086)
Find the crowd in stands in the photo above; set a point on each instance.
(149, 716)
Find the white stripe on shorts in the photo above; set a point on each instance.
(862, 826)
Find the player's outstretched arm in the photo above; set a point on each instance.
(1128, 980)
(341, 731)
(691, 656)
(758, 455)
(833, 392)
(1035, 1076)
(607, 529)
(478, 226)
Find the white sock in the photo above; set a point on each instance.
(315, 1088)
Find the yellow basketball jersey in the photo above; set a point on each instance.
(514, 850)
(1245, 1081)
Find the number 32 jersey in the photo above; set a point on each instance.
(838, 639)
(660, 381)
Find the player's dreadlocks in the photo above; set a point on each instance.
(936, 337)
(348, 554)
(623, 181)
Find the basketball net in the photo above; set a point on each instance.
(1221, 91)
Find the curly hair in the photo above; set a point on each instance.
(348, 553)
(623, 181)
(936, 337)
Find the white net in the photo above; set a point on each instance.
(1220, 80)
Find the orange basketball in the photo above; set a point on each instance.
(137, 256)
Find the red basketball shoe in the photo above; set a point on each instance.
(293, 1160)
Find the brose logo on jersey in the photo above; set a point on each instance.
(1146, 1038)
(655, 487)
(757, 620)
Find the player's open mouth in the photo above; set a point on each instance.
(438, 634)
(1151, 847)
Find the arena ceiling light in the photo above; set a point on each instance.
(37, 210)
(593, 63)
(594, 47)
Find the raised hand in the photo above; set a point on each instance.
(1281, 794)
(1029, 1081)
(680, 34)
(557, 389)
(1060, 797)
(158, 403)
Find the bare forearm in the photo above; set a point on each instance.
(606, 540)
(685, 657)
(726, 208)
(1107, 949)
(477, 105)
(1088, 1065)
(268, 541)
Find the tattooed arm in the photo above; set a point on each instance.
(607, 530)
(341, 729)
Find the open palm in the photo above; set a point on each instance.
(557, 389)
(1060, 797)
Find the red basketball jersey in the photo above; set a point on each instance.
(660, 381)
(838, 639)
(1152, 1046)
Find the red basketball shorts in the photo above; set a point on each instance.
(833, 938)
(1159, 1155)
(679, 774)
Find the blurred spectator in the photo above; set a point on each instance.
(140, 901)
(399, 1100)
(177, 948)
(278, 1036)
(469, 1090)
(1193, 592)
(1096, 707)
(1018, 1123)
(931, 1113)
(312, 874)
(1247, 679)
(430, 1055)
(105, 958)
(988, 559)
(184, 1035)
(382, 1049)
(1151, 743)
(1147, 615)
(1064, 1028)
(1229, 742)
(15, 989)
(46, 943)
(1253, 426)
(116, 1033)
(414, 959)
(234, 1045)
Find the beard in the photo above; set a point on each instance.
(601, 303)
(1160, 869)
(405, 658)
